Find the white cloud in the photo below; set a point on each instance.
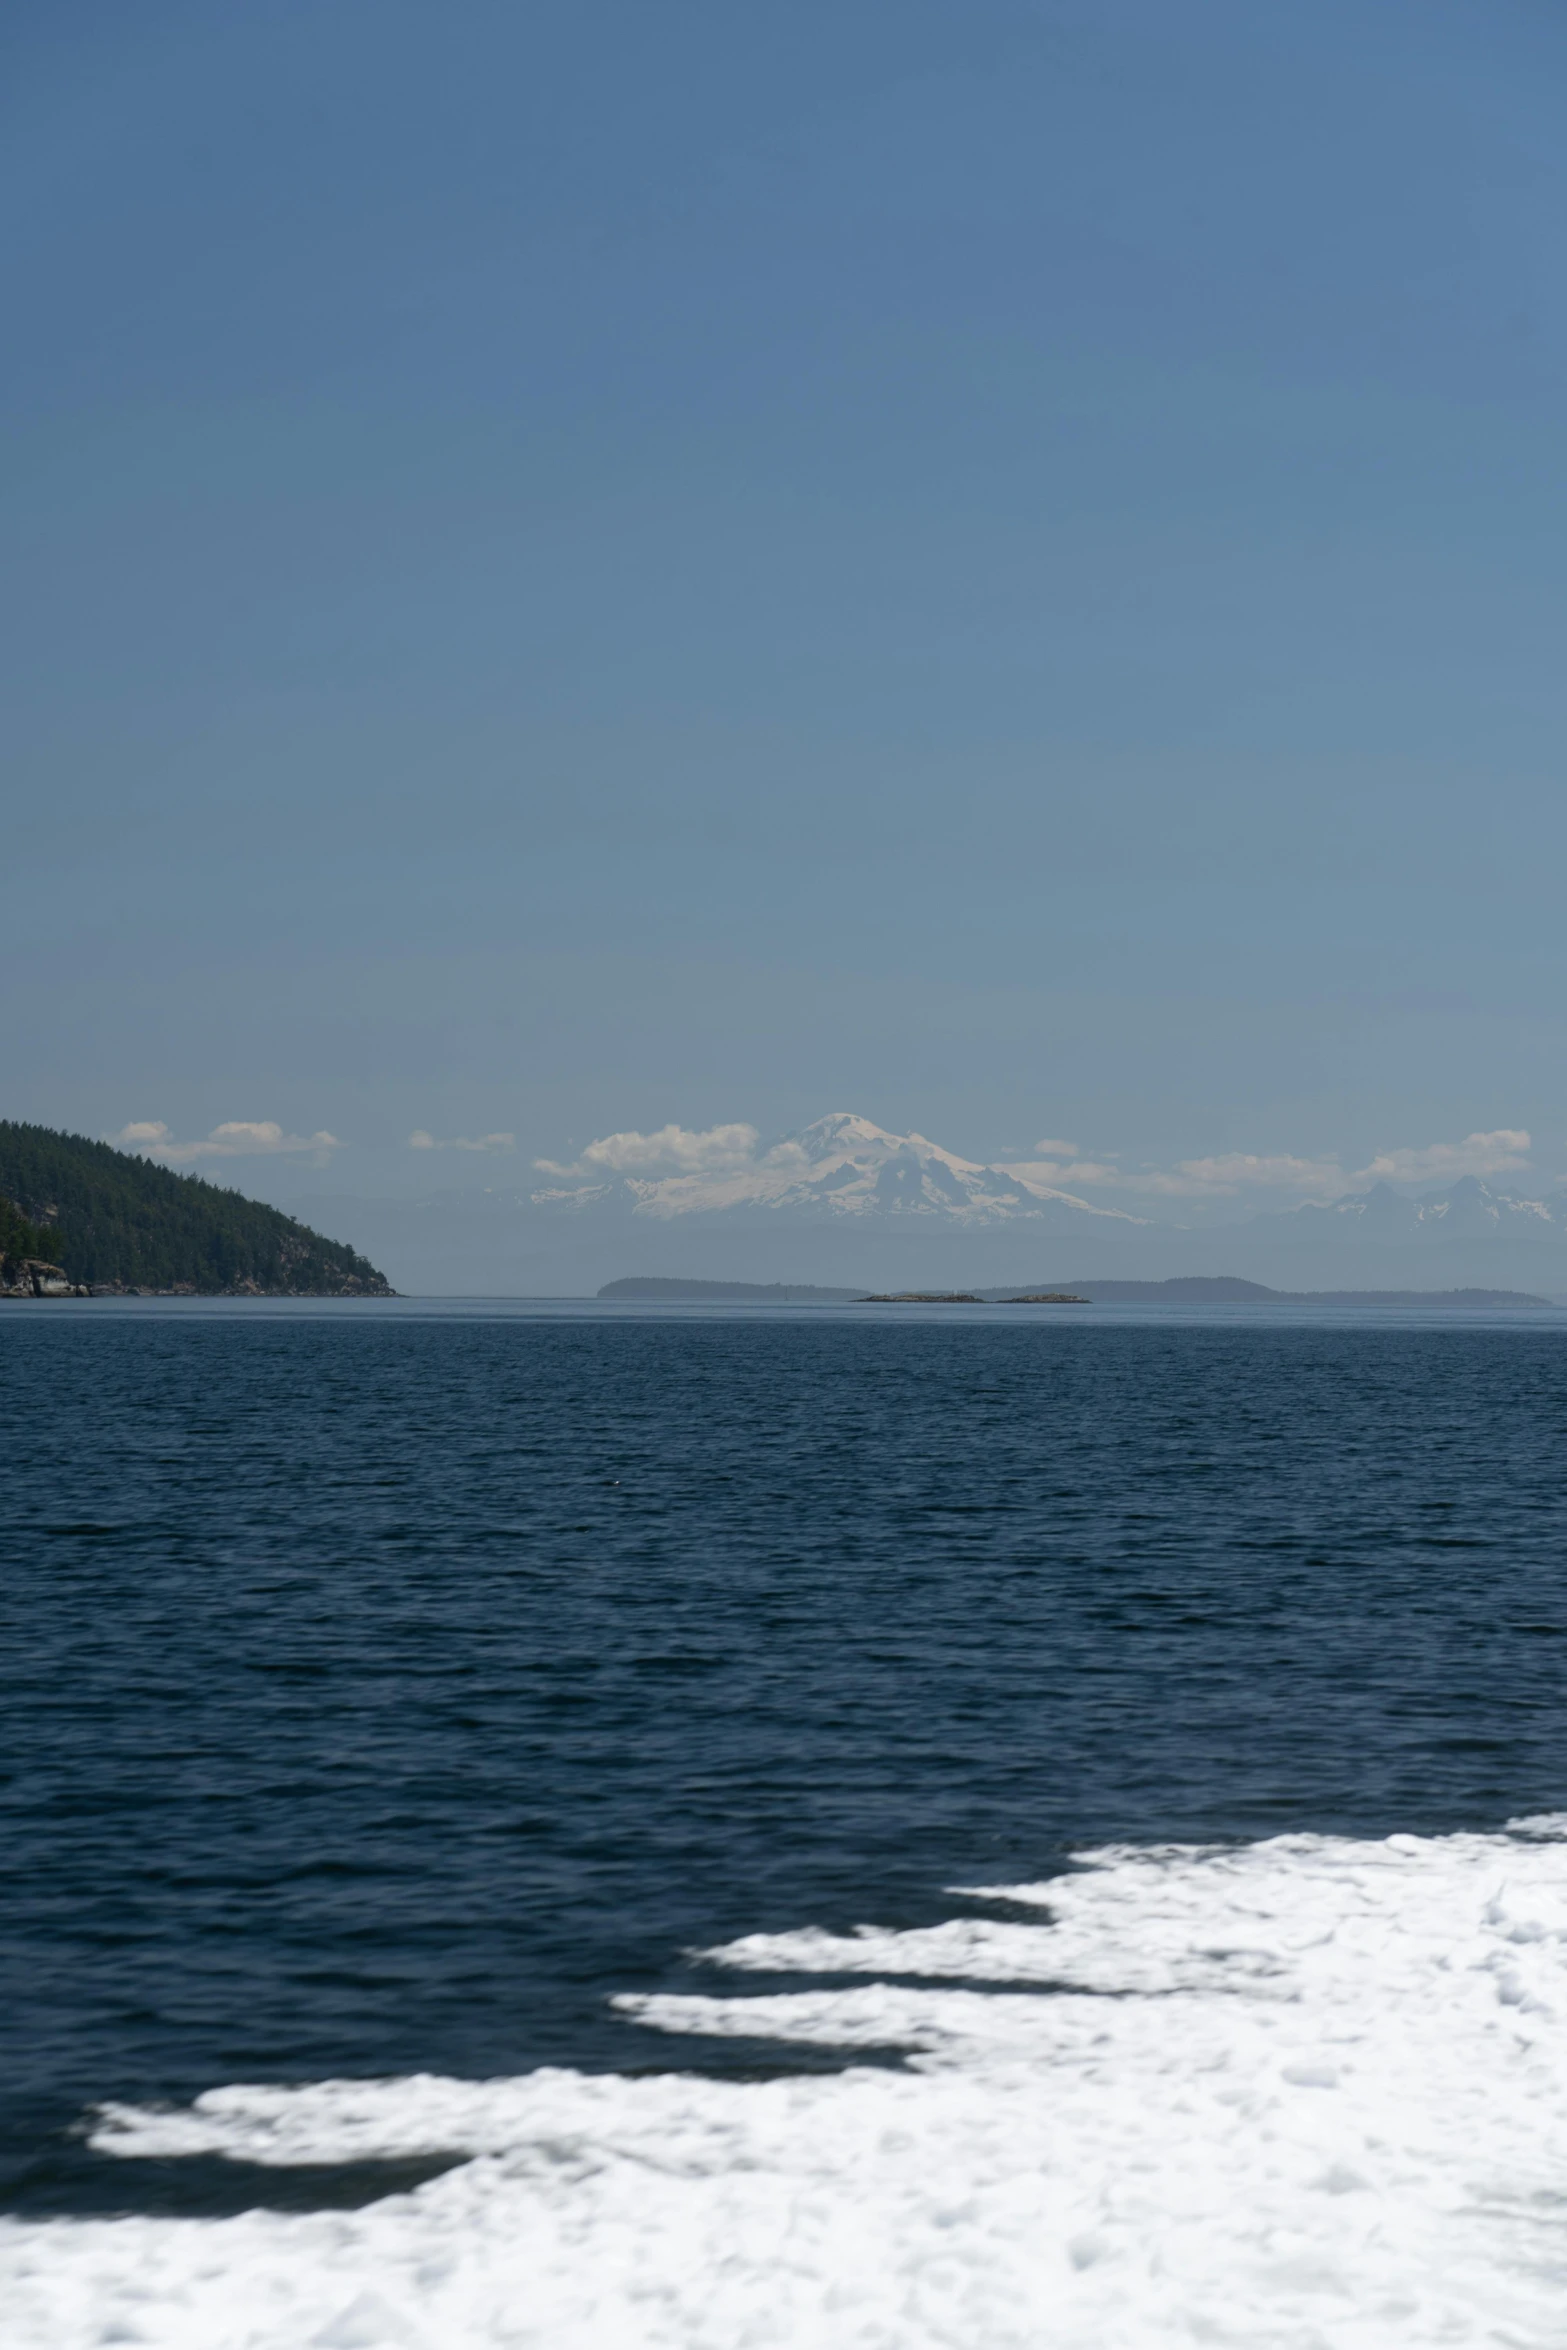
(1052, 1173)
(1497, 1153)
(1232, 1174)
(419, 1140)
(236, 1138)
(672, 1150)
(1234, 1171)
(1057, 1163)
(733, 1153)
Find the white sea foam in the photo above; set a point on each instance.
(1306, 2095)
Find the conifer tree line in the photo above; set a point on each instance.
(111, 1219)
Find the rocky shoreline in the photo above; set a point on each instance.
(34, 1278)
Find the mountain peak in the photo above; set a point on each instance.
(841, 1132)
(837, 1166)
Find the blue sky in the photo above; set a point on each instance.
(576, 568)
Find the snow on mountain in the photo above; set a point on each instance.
(1468, 1210)
(841, 1166)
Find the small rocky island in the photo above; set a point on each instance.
(81, 1219)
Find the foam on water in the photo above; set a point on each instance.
(1309, 2094)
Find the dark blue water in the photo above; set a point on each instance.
(380, 1694)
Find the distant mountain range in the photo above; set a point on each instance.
(1468, 1209)
(846, 1204)
(846, 1167)
(843, 1166)
(1195, 1290)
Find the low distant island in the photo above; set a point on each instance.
(81, 1219)
(1227, 1289)
(1213, 1289)
(967, 1297)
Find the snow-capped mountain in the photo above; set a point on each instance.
(846, 1204)
(841, 1167)
(1469, 1210)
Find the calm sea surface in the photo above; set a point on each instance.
(384, 1691)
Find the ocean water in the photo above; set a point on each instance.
(553, 1827)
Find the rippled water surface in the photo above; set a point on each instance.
(387, 1694)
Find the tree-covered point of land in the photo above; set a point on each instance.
(19, 1240)
(109, 1218)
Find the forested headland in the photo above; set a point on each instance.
(111, 1221)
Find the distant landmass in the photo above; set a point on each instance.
(1227, 1289)
(775, 1293)
(1188, 1289)
(844, 1201)
(844, 1206)
(77, 1214)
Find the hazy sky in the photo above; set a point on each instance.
(572, 568)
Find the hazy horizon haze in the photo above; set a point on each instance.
(570, 573)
